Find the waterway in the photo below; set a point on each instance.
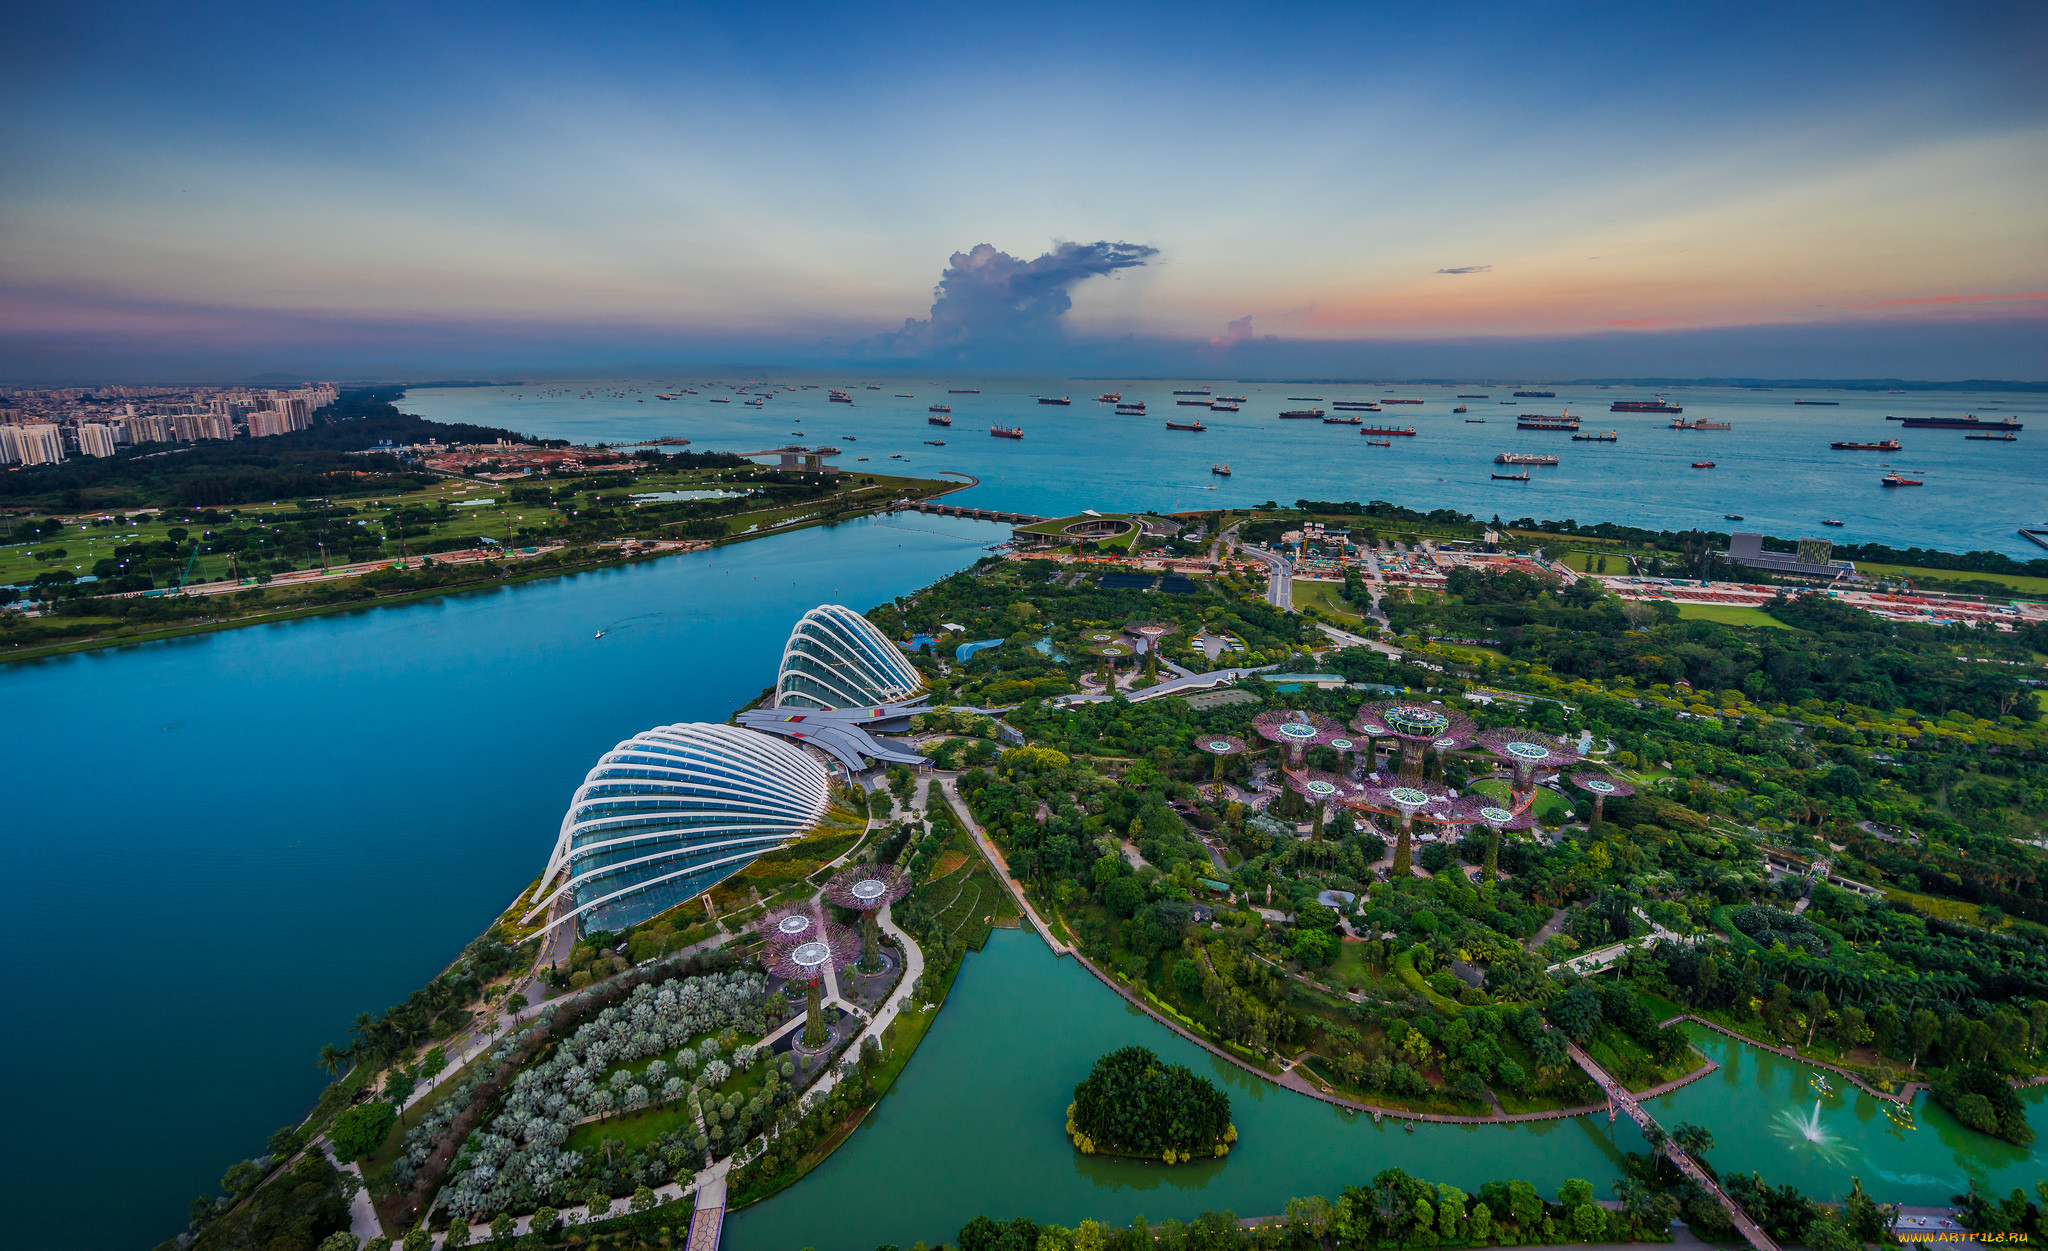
(1773, 467)
(974, 1127)
(224, 847)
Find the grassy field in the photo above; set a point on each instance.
(2017, 581)
(1731, 614)
(1326, 596)
(1548, 802)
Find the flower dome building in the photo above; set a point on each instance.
(836, 658)
(671, 812)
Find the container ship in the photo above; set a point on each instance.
(1340, 419)
(1966, 422)
(1535, 395)
(1301, 414)
(1405, 431)
(1888, 445)
(1643, 406)
(1006, 432)
(1525, 458)
(939, 419)
(1610, 437)
(1700, 424)
(1193, 403)
(1196, 426)
(1060, 400)
(1895, 480)
(1537, 421)
(964, 391)
(1193, 391)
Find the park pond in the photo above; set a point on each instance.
(975, 1125)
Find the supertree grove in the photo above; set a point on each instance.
(801, 947)
(867, 889)
(1496, 819)
(1415, 727)
(1409, 799)
(1321, 790)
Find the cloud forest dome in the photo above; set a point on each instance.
(671, 812)
(836, 658)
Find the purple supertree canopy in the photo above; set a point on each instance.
(786, 927)
(1419, 798)
(1600, 785)
(803, 955)
(1427, 724)
(867, 887)
(1319, 787)
(1221, 744)
(1483, 810)
(1296, 729)
(1530, 749)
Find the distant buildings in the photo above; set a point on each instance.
(101, 422)
(40, 443)
(1811, 561)
(95, 439)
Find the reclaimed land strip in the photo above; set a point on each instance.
(1297, 1084)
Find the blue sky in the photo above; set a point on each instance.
(371, 188)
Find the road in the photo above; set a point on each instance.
(1279, 575)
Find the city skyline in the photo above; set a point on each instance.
(1611, 191)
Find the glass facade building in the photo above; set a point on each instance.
(836, 659)
(671, 812)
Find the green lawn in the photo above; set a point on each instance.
(1731, 614)
(1325, 596)
(1548, 802)
(2017, 581)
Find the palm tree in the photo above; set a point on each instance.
(334, 1059)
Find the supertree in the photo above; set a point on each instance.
(1296, 731)
(1321, 790)
(1497, 819)
(1601, 788)
(1409, 799)
(1220, 746)
(802, 945)
(1108, 653)
(1415, 727)
(1151, 633)
(1528, 751)
(867, 889)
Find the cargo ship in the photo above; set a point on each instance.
(1301, 414)
(1230, 399)
(1537, 421)
(935, 443)
(1610, 437)
(1821, 403)
(965, 391)
(1476, 395)
(1060, 400)
(939, 419)
(939, 408)
(1703, 464)
(840, 397)
(1379, 443)
(1461, 409)
(1966, 422)
(1475, 421)
(1193, 391)
(1512, 477)
(1110, 397)
(1130, 410)
(1888, 445)
(1220, 469)
(1643, 406)
(1196, 426)
(2005, 436)
(1894, 480)
(1340, 419)
(1535, 395)
(1006, 432)
(1357, 406)
(1193, 403)
(1404, 431)
(1221, 407)
(720, 399)
(1525, 458)
(1386, 401)
(1700, 424)
(1308, 399)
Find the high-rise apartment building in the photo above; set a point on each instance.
(40, 444)
(95, 439)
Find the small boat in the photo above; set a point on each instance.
(1186, 425)
(895, 456)
(928, 443)
(600, 634)
(1731, 516)
(1475, 421)
(860, 458)
(1703, 464)
(1006, 432)
(1512, 477)
(1379, 443)
(1829, 521)
(1220, 469)
(1895, 480)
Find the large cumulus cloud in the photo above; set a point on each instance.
(989, 299)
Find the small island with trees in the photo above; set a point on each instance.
(1135, 1104)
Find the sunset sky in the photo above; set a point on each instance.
(417, 186)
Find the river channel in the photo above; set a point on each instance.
(224, 847)
(975, 1127)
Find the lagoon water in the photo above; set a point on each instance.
(1774, 467)
(974, 1127)
(223, 848)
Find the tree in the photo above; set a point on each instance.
(1920, 1033)
(435, 1062)
(417, 1239)
(360, 1130)
(544, 1221)
(340, 1240)
(1849, 1030)
(458, 1234)
(502, 1226)
(1816, 1008)
(1692, 1139)
(643, 1198)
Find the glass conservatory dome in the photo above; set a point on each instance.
(836, 658)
